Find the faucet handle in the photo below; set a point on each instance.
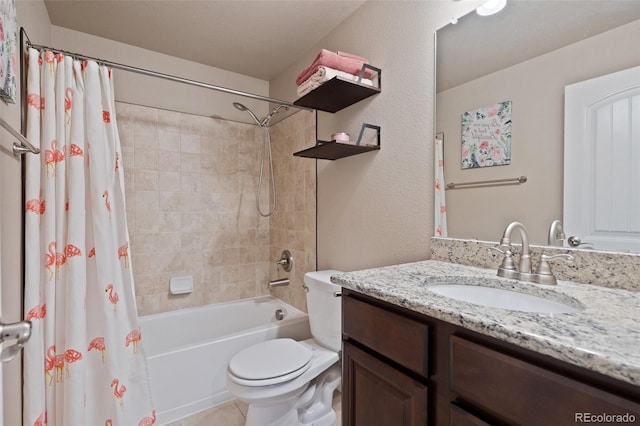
(547, 258)
(507, 260)
(543, 274)
(501, 249)
(285, 261)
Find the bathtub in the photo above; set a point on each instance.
(188, 350)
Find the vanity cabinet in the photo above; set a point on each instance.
(404, 368)
(385, 361)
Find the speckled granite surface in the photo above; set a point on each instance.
(604, 336)
(607, 269)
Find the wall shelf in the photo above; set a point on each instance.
(332, 96)
(339, 93)
(332, 150)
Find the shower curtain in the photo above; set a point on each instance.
(440, 214)
(84, 364)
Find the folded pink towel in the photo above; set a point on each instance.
(323, 75)
(341, 61)
(352, 56)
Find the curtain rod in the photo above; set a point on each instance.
(169, 77)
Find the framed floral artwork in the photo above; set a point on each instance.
(486, 136)
(8, 52)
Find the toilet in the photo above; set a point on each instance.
(288, 382)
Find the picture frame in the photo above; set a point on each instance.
(486, 136)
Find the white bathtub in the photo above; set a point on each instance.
(188, 350)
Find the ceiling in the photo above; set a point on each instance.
(258, 38)
(523, 30)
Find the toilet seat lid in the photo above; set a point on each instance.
(270, 362)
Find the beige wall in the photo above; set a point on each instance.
(376, 209)
(536, 88)
(32, 15)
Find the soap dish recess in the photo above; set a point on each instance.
(181, 285)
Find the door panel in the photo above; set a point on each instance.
(602, 150)
(378, 394)
(2, 384)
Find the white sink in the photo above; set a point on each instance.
(500, 298)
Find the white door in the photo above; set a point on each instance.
(602, 161)
(2, 384)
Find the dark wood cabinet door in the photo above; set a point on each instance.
(376, 394)
(460, 417)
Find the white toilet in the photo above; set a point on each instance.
(290, 383)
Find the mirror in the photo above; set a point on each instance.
(526, 54)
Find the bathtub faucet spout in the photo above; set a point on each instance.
(279, 283)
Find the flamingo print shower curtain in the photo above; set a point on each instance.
(440, 214)
(84, 364)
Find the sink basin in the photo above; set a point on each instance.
(500, 298)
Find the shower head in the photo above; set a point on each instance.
(241, 107)
(274, 112)
(265, 120)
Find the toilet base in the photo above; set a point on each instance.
(280, 415)
(316, 404)
(328, 419)
(311, 406)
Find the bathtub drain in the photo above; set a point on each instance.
(280, 314)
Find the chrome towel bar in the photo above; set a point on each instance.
(509, 181)
(19, 148)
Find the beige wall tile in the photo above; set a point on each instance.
(295, 181)
(169, 141)
(190, 144)
(191, 185)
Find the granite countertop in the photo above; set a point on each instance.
(603, 336)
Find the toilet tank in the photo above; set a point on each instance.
(325, 308)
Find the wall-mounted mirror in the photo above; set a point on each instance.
(527, 54)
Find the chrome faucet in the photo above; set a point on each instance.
(508, 269)
(556, 234)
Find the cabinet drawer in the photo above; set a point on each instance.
(520, 392)
(394, 336)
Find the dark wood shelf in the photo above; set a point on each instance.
(332, 96)
(336, 94)
(332, 150)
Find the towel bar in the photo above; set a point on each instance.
(516, 180)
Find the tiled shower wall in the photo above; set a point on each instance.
(190, 184)
(293, 225)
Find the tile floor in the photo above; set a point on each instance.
(233, 414)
